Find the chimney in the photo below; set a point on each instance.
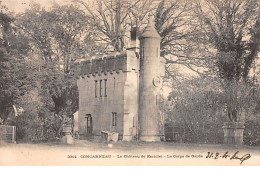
(134, 41)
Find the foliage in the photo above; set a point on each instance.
(38, 49)
(61, 89)
(13, 48)
(196, 108)
(239, 99)
(199, 107)
(56, 40)
(232, 28)
(32, 128)
(251, 133)
(56, 34)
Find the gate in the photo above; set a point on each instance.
(8, 133)
(173, 133)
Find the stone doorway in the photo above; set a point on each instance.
(89, 127)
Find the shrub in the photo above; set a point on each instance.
(199, 108)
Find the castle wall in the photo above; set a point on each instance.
(101, 108)
(121, 74)
(131, 94)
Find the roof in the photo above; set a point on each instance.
(150, 31)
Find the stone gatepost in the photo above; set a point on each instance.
(233, 133)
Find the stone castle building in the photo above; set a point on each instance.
(120, 92)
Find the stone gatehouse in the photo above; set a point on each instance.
(120, 92)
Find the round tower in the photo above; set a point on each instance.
(149, 84)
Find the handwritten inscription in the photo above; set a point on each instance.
(227, 155)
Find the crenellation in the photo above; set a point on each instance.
(125, 61)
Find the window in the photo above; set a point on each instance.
(105, 87)
(143, 52)
(133, 121)
(114, 114)
(114, 83)
(100, 89)
(96, 88)
(157, 54)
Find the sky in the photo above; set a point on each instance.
(18, 6)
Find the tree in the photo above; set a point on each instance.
(57, 38)
(232, 28)
(68, 24)
(13, 49)
(57, 33)
(171, 18)
(35, 25)
(111, 20)
(139, 11)
(173, 22)
(5, 70)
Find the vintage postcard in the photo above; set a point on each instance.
(129, 83)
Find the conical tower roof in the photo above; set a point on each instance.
(150, 31)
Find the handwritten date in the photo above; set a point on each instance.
(227, 155)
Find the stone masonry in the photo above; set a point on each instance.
(120, 92)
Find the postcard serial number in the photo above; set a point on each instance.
(71, 156)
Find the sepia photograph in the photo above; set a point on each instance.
(129, 82)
